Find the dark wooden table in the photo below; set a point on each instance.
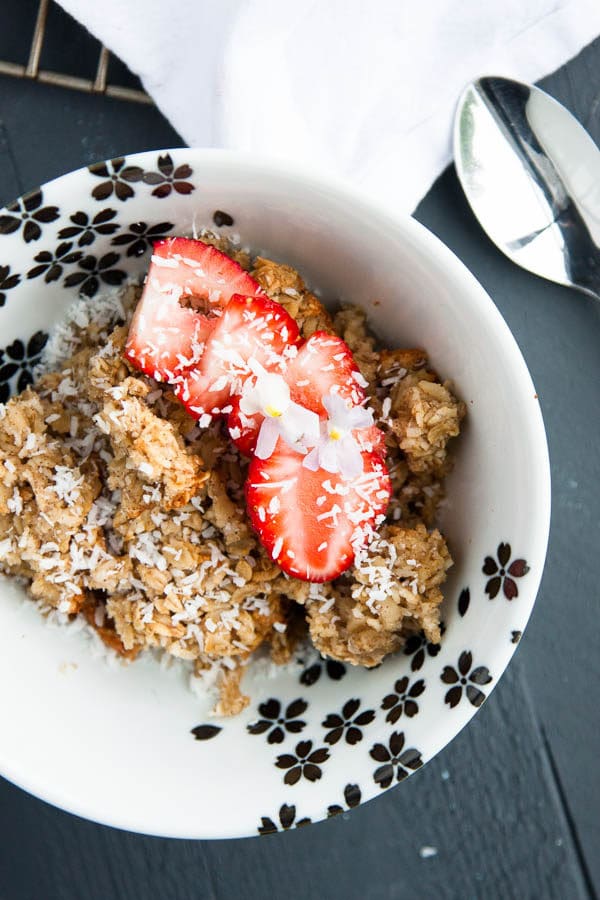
(512, 807)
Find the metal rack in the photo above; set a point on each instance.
(98, 85)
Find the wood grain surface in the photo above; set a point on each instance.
(511, 809)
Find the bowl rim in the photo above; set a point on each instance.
(478, 301)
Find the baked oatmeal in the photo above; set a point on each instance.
(139, 485)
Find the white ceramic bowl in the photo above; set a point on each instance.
(116, 744)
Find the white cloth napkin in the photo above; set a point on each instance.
(363, 88)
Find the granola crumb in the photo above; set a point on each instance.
(392, 591)
(284, 284)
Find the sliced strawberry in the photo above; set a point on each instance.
(372, 440)
(164, 337)
(243, 429)
(187, 284)
(250, 329)
(324, 364)
(204, 274)
(311, 523)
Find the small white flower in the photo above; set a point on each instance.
(269, 395)
(337, 450)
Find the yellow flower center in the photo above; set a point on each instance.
(335, 434)
(273, 411)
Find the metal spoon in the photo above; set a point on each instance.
(531, 174)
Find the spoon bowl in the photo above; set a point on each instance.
(531, 174)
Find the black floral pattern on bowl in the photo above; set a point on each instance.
(28, 211)
(396, 760)
(420, 648)
(352, 797)
(205, 732)
(87, 228)
(117, 179)
(503, 573)
(287, 820)
(17, 362)
(93, 271)
(403, 700)
(348, 723)
(464, 601)
(303, 763)
(222, 219)
(7, 282)
(51, 265)
(467, 679)
(141, 237)
(333, 669)
(168, 178)
(276, 722)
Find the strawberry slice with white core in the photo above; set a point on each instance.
(252, 331)
(164, 337)
(312, 523)
(188, 283)
(205, 274)
(325, 365)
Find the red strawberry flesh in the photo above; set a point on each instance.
(187, 285)
(324, 364)
(243, 429)
(208, 277)
(251, 329)
(311, 523)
